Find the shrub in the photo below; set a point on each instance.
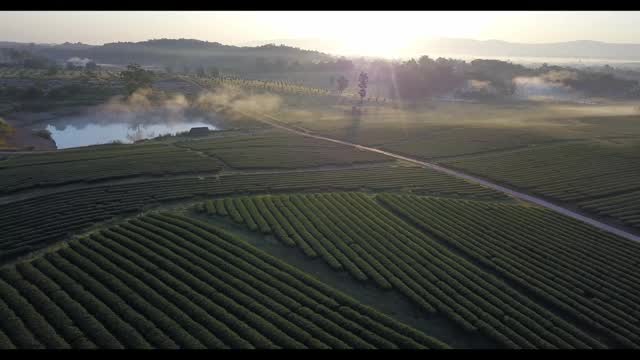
(220, 208)
(43, 133)
(211, 210)
(40, 328)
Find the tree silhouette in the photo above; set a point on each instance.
(363, 80)
(342, 84)
(91, 66)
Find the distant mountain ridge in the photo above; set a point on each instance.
(572, 49)
(453, 46)
(157, 44)
(318, 49)
(172, 52)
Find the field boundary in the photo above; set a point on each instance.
(474, 179)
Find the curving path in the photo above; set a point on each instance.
(522, 196)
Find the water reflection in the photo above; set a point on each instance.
(68, 133)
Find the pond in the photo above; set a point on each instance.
(104, 128)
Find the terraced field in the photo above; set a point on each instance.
(34, 223)
(602, 177)
(92, 257)
(166, 281)
(447, 142)
(589, 275)
(435, 130)
(624, 207)
(99, 163)
(391, 241)
(273, 86)
(273, 150)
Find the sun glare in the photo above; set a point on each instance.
(385, 45)
(385, 41)
(393, 34)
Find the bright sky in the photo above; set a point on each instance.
(389, 30)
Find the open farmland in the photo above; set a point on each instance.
(462, 258)
(439, 130)
(600, 176)
(100, 163)
(374, 240)
(287, 181)
(584, 157)
(238, 151)
(304, 220)
(273, 151)
(36, 222)
(158, 282)
(587, 275)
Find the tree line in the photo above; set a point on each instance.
(482, 78)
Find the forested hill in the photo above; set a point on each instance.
(178, 51)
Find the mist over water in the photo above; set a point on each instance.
(81, 132)
(145, 115)
(128, 120)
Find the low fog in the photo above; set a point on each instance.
(549, 87)
(76, 61)
(236, 102)
(146, 107)
(540, 88)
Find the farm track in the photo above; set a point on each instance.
(474, 179)
(32, 193)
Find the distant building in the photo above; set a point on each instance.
(199, 131)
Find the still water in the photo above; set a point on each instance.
(69, 132)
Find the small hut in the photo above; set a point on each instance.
(199, 131)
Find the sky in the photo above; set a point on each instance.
(388, 29)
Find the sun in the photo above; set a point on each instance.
(385, 46)
(386, 42)
(396, 34)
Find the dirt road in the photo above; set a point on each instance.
(519, 195)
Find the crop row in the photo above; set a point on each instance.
(31, 224)
(281, 87)
(624, 207)
(453, 141)
(280, 150)
(94, 152)
(352, 233)
(166, 281)
(588, 275)
(601, 178)
(170, 161)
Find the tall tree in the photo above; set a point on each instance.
(363, 80)
(343, 83)
(214, 72)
